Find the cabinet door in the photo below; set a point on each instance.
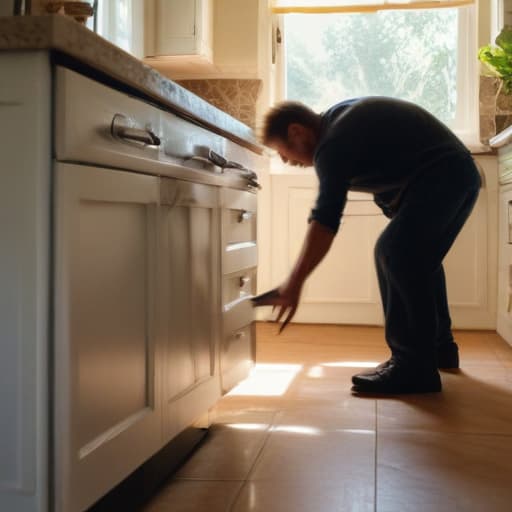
(343, 289)
(106, 419)
(190, 263)
(181, 28)
(471, 263)
(504, 322)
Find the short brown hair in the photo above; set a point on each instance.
(279, 117)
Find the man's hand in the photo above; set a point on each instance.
(286, 298)
(316, 244)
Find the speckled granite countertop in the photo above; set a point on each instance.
(56, 32)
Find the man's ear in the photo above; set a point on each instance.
(295, 130)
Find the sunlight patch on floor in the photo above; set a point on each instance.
(296, 429)
(316, 372)
(247, 426)
(267, 380)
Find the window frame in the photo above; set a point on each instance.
(466, 122)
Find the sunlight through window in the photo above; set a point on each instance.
(267, 380)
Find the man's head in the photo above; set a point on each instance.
(292, 129)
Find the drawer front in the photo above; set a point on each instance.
(240, 256)
(238, 216)
(236, 314)
(237, 357)
(238, 230)
(238, 286)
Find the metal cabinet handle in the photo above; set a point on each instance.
(245, 215)
(121, 129)
(244, 280)
(239, 335)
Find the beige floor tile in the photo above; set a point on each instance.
(194, 496)
(240, 417)
(227, 453)
(349, 413)
(478, 403)
(324, 334)
(306, 455)
(321, 390)
(313, 496)
(234, 404)
(313, 446)
(430, 472)
(316, 353)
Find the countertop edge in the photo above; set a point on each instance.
(57, 32)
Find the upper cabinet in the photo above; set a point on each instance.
(179, 34)
(202, 38)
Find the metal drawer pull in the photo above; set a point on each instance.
(122, 130)
(245, 215)
(244, 280)
(238, 246)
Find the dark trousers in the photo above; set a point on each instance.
(409, 255)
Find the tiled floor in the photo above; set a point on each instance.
(292, 438)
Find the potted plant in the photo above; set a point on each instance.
(496, 85)
(498, 59)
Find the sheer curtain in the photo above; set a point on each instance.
(331, 6)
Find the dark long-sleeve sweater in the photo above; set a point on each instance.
(377, 145)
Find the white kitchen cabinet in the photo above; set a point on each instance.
(189, 246)
(110, 286)
(504, 321)
(344, 288)
(25, 228)
(107, 418)
(504, 325)
(238, 268)
(179, 33)
(225, 43)
(471, 264)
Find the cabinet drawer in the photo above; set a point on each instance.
(238, 286)
(237, 356)
(236, 314)
(238, 216)
(239, 256)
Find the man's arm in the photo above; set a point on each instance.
(316, 245)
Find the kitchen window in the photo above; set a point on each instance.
(121, 22)
(427, 56)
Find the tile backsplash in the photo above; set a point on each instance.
(237, 97)
(495, 108)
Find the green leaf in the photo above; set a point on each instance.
(504, 39)
(498, 59)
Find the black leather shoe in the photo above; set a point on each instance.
(448, 356)
(447, 359)
(394, 378)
